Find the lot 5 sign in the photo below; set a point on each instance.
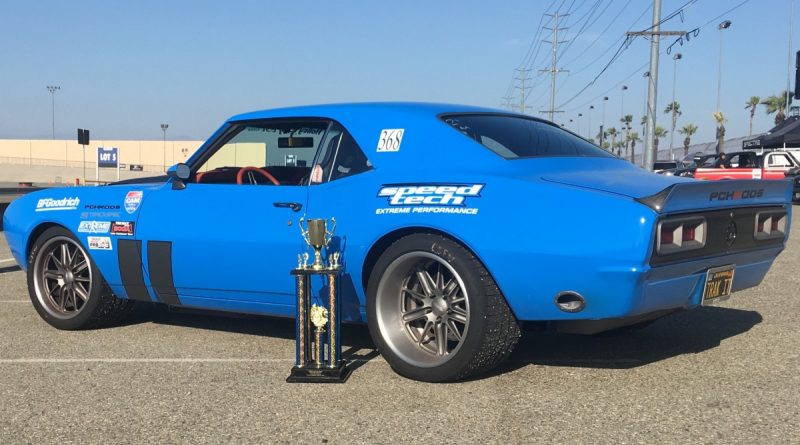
(107, 157)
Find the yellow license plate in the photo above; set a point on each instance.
(719, 283)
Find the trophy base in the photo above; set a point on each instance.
(308, 374)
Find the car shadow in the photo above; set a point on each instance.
(8, 269)
(686, 332)
(356, 341)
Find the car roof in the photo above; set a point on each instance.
(339, 111)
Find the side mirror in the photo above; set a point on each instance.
(179, 173)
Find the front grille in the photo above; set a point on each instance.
(727, 231)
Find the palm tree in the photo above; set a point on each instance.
(688, 130)
(618, 145)
(675, 109)
(613, 133)
(658, 133)
(720, 118)
(633, 137)
(626, 125)
(752, 104)
(777, 103)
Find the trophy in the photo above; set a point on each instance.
(317, 236)
(318, 349)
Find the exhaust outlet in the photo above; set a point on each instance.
(570, 301)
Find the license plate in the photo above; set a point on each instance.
(719, 282)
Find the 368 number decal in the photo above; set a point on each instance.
(390, 140)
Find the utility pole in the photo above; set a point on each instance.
(523, 93)
(553, 70)
(655, 34)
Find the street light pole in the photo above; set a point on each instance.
(52, 89)
(622, 102)
(675, 58)
(589, 125)
(164, 130)
(724, 25)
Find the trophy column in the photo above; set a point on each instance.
(318, 351)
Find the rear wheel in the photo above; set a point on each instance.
(66, 287)
(434, 311)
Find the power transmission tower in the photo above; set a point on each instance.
(655, 34)
(523, 93)
(553, 70)
(507, 103)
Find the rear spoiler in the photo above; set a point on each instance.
(695, 195)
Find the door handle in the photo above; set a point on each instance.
(295, 206)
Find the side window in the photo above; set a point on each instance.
(264, 153)
(779, 160)
(339, 157)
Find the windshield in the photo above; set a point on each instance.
(515, 137)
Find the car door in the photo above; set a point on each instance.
(777, 164)
(229, 238)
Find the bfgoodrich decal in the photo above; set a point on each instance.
(94, 226)
(48, 204)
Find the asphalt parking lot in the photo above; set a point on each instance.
(724, 374)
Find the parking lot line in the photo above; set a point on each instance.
(7, 260)
(154, 360)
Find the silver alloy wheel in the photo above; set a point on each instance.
(62, 277)
(422, 309)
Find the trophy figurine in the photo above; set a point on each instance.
(317, 236)
(318, 316)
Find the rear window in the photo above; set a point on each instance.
(515, 137)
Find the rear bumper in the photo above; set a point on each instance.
(616, 292)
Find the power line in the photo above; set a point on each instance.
(554, 70)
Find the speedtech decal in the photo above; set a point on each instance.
(430, 194)
(429, 198)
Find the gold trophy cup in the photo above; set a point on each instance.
(317, 235)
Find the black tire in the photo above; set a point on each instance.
(58, 300)
(403, 333)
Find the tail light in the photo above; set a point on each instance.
(680, 234)
(770, 225)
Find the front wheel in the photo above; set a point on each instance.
(434, 311)
(66, 287)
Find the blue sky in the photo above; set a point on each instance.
(126, 67)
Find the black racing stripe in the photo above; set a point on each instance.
(129, 256)
(159, 263)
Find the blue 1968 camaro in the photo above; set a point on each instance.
(455, 224)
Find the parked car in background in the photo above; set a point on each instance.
(660, 166)
(749, 165)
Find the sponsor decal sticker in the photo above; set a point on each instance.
(736, 195)
(390, 140)
(122, 228)
(429, 198)
(132, 200)
(94, 226)
(99, 243)
(50, 204)
(86, 215)
(101, 207)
